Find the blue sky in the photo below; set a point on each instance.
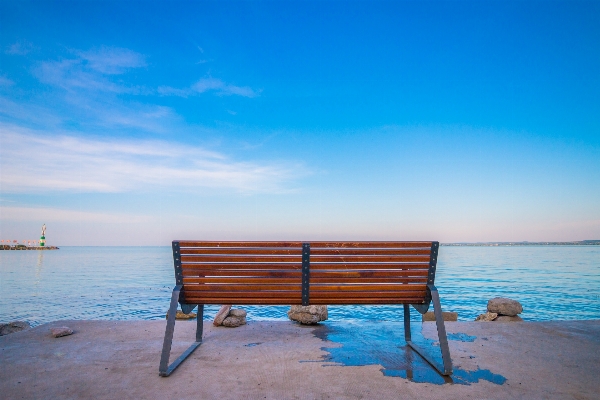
(137, 123)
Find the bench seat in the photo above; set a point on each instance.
(304, 273)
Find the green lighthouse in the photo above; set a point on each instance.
(43, 237)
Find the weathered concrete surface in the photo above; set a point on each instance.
(284, 360)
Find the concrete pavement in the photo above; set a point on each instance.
(283, 360)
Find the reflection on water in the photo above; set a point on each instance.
(552, 283)
(38, 270)
(382, 343)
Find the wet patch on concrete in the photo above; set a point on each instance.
(383, 344)
(461, 337)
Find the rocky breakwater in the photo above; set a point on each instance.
(23, 247)
(308, 315)
(500, 309)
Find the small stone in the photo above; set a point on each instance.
(446, 316)
(237, 312)
(508, 318)
(308, 315)
(504, 306)
(12, 327)
(487, 317)
(61, 331)
(233, 321)
(221, 315)
(181, 315)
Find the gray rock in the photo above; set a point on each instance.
(508, 318)
(308, 315)
(233, 321)
(61, 331)
(12, 327)
(221, 314)
(503, 306)
(237, 312)
(487, 317)
(446, 316)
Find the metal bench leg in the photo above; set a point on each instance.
(441, 329)
(165, 369)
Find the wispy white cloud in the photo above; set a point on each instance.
(112, 60)
(28, 112)
(36, 162)
(217, 86)
(171, 91)
(222, 88)
(92, 71)
(20, 48)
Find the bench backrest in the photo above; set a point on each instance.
(304, 272)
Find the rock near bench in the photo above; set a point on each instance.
(504, 306)
(308, 315)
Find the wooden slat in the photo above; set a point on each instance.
(313, 281)
(192, 243)
(372, 259)
(245, 251)
(401, 287)
(318, 244)
(368, 273)
(380, 245)
(242, 287)
(247, 272)
(242, 280)
(245, 301)
(400, 290)
(245, 294)
(365, 266)
(366, 252)
(314, 295)
(370, 300)
(415, 280)
(242, 266)
(297, 266)
(242, 259)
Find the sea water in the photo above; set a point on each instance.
(135, 283)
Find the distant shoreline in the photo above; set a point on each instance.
(7, 248)
(494, 244)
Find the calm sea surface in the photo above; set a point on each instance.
(120, 283)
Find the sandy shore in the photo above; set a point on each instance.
(283, 360)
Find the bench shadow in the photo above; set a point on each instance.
(381, 343)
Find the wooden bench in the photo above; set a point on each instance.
(306, 273)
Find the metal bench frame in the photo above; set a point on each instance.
(177, 297)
